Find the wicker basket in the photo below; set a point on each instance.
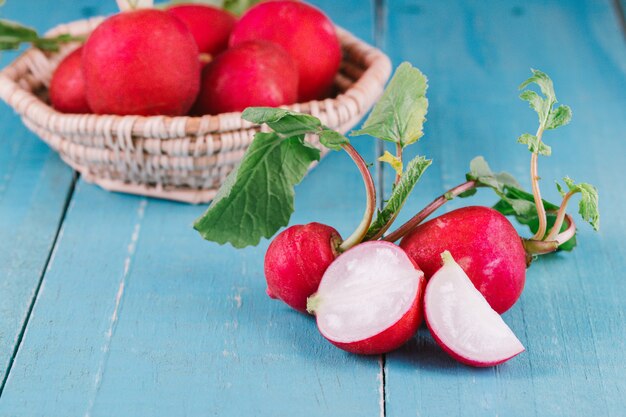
(177, 158)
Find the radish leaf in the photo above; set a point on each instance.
(257, 198)
(290, 123)
(411, 176)
(588, 206)
(400, 113)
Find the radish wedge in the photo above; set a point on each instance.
(369, 299)
(462, 322)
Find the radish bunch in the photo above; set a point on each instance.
(460, 270)
(193, 59)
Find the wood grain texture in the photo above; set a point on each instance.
(34, 188)
(137, 315)
(571, 316)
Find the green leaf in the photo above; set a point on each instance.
(332, 140)
(543, 81)
(238, 7)
(481, 173)
(285, 122)
(257, 198)
(549, 118)
(290, 123)
(13, 34)
(534, 144)
(400, 113)
(394, 161)
(520, 204)
(411, 176)
(560, 117)
(588, 206)
(10, 29)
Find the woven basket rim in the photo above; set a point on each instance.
(375, 62)
(182, 158)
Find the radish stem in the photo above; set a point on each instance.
(398, 174)
(370, 192)
(560, 217)
(429, 209)
(386, 227)
(542, 247)
(568, 233)
(534, 179)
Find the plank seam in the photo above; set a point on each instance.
(18, 343)
(621, 16)
(380, 29)
(380, 26)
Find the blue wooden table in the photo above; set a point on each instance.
(112, 305)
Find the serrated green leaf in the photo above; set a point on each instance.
(536, 102)
(257, 198)
(549, 118)
(534, 144)
(543, 81)
(332, 140)
(411, 176)
(285, 122)
(588, 206)
(394, 161)
(481, 173)
(559, 117)
(520, 204)
(400, 113)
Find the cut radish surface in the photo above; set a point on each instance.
(369, 299)
(462, 322)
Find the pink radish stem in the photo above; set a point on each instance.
(534, 179)
(560, 217)
(370, 192)
(542, 247)
(429, 209)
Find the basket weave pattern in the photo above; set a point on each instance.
(178, 158)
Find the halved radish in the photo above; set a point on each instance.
(462, 322)
(369, 299)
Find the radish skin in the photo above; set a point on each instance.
(485, 245)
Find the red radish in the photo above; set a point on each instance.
(142, 62)
(67, 87)
(462, 322)
(209, 26)
(305, 33)
(484, 243)
(369, 300)
(296, 261)
(257, 73)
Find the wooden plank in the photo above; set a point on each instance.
(34, 188)
(571, 315)
(138, 316)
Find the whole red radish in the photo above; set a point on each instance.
(67, 87)
(142, 62)
(305, 33)
(485, 245)
(462, 322)
(209, 26)
(296, 261)
(370, 299)
(256, 73)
